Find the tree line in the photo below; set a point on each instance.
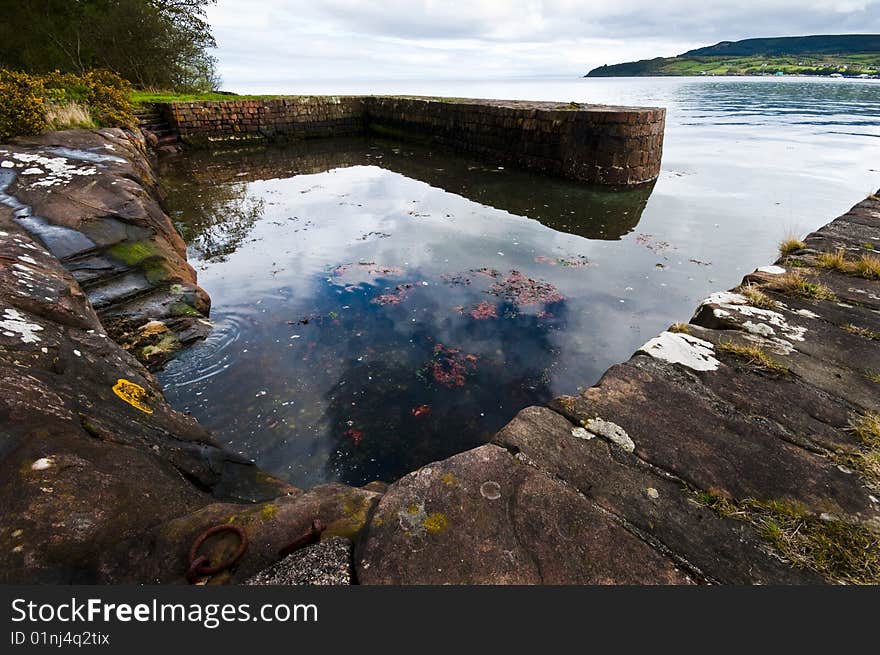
(155, 44)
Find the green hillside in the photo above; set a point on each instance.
(851, 55)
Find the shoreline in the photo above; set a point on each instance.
(618, 485)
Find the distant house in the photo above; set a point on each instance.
(779, 73)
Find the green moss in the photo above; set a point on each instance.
(169, 343)
(133, 253)
(182, 309)
(268, 512)
(156, 271)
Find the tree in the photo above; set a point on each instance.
(160, 44)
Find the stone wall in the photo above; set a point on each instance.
(616, 146)
(201, 123)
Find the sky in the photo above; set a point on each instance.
(261, 42)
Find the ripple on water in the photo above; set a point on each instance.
(211, 357)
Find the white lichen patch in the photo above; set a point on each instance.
(725, 298)
(761, 329)
(27, 259)
(611, 431)
(14, 323)
(49, 171)
(652, 493)
(42, 464)
(807, 313)
(763, 322)
(684, 349)
(771, 270)
(581, 433)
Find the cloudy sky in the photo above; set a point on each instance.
(262, 42)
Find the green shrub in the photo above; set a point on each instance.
(29, 103)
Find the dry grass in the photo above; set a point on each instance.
(866, 266)
(839, 550)
(758, 298)
(834, 260)
(867, 429)
(754, 356)
(873, 376)
(68, 116)
(679, 328)
(865, 460)
(862, 332)
(797, 284)
(789, 245)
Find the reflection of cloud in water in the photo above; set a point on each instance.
(324, 382)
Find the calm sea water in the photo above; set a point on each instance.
(380, 305)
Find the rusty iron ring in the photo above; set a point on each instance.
(198, 563)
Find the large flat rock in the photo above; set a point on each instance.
(485, 517)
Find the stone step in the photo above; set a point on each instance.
(120, 288)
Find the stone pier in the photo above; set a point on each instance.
(596, 144)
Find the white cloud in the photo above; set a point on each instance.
(265, 42)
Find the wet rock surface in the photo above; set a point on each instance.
(91, 198)
(92, 457)
(485, 517)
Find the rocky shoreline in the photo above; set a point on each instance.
(668, 471)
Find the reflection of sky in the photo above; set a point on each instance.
(739, 173)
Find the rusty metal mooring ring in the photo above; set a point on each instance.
(198, 563)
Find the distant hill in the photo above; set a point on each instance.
(832, 44)
(840, 54)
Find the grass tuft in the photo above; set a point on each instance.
(862, 332)
(839, 550)
(867, 429)
(679, 328)
(790, 245)
(834, 260)
(753, 355)
(797, 284)
(866, 266)
(70, 115)
(758, 298)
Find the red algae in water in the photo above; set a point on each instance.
(450, 366)
(483, 311)
(522, 290)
